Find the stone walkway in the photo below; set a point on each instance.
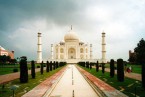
(12, 76)
(72, 84)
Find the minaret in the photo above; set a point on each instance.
(39, 52)
(103, 48)
(51, 51)
(91, 51)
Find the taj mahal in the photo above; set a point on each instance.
(71, 49)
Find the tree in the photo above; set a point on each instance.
(4, 59)
(140, 58)
(23, 71)
(97, 66)
(140, 52)
(112, 70)
(13, 61)
(33, 69)
(120, 70)
(131, 59)
(41, 69)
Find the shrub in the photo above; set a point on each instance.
(38, 66)
(15, 70)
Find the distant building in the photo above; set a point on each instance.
(6, 52)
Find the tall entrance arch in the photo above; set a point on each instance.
(71, 53)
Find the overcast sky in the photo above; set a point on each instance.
(122, 20)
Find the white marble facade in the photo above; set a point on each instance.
(71, 48)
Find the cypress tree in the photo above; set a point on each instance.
(33, 69)
(47, 66)
(23, 71)
(60, 64)
(50, 65)
(120, 70)
(41, 69)
(103, 68)
(87, 63)
(54, 63)
(91, 65)
(112, 70)
(97, 66)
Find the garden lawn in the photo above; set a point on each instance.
(6, 69)
(25, 87)
(135, 68)
(127, 87)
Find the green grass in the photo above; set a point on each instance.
(6, 92)
(7, 69)
(127, 87)
(135, 68)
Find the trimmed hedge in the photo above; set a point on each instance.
(33, 69)
(23, 71)
(120, 70)
(47, 66)
(112, 69)
(103, 68)
(41, 69)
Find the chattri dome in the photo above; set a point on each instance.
(71, 36)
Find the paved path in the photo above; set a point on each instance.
(72, 84)
(12, 76)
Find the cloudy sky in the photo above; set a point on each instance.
(122, 20)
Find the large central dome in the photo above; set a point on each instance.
(71, 36)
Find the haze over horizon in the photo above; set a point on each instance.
(122, 21)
